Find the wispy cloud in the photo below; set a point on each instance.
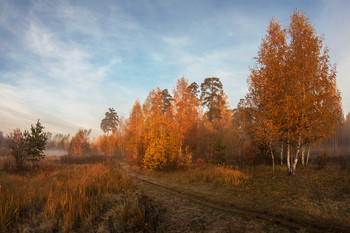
(66, 62)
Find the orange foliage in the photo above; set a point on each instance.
(108, 144)
(133, 132)
(186, 113)
(79, 144)
(162, 137)
(292, 90)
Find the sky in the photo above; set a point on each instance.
(67, 62)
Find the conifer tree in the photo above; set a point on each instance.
(35, 142)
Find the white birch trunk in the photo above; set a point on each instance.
(295, 161)
(296, 156)
(288, 156)
(303, 155)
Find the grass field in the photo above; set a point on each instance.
(51, 197)
(317, 196)
(94, 194)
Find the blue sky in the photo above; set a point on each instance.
(67, 62)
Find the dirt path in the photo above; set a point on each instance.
(184, 215)
(225, 207)
(282, 221)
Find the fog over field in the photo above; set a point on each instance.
(55, 152)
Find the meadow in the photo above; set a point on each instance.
(85, 195)
(96, 194)
(313, 197)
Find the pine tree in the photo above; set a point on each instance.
(211, 90)
(110, 122)
(35, 142)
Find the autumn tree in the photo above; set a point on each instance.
(134, 132)
(292, 89)
(35, 142)
(319, 106)
(15, 143)
(267, 87)
(61, 141)
(186, 113)
(110, 122)
(79, 144)
(162, 138)
(108, 144)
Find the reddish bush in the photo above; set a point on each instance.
(200, 161)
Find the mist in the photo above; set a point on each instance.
(55, 152)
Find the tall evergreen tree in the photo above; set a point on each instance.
(211, 95)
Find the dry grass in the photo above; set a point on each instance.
(55, 197)
(84, 159)
(313, 195)
(213, 175)
(7, 163)
(204, 174)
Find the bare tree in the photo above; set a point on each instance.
(16, 144)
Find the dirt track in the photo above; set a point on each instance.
(281, 221)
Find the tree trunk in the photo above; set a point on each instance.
(282, 153)
(273, 160)
(303, 155)
(295, 161)
(308, 154)
(296, 157)
(288, 157)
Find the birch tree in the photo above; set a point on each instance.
(186, 112)
(266, 90)
(317, 102)
(293, 88)
(133, 132)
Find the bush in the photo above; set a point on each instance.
(16, 144)
(219, 155)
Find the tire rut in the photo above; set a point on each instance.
(229, 207)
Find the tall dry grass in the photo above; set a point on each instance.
(206, 173)
(57, 196)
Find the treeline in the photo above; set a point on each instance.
(292, 103)
(170, 131)
(292, 107)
